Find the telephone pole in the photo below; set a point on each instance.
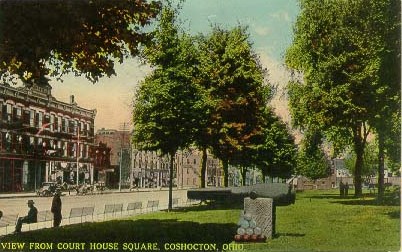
(124, 129)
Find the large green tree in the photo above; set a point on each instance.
(275, 149)
(387, 121)
(42, 38)
(311, 159)
(339, 51)
(232, 75)
(167, 106)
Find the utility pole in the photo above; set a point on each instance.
(78, 151)
(123, 129)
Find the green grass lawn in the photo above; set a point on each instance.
(318, 221)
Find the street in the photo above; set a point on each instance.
(19, 204)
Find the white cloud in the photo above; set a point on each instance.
(281, 15)
(278, 77)
(261, 30)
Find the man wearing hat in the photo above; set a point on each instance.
(32, 216)
(56, 208)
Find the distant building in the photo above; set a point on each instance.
(119, 142)
(42, 139)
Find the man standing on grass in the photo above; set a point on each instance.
(56, 208)
(32, 217)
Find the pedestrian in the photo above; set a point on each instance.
(32, 217)
(1, 214)
(346, 189)
(56, 208)
(341, 189)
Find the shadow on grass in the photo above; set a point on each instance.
(277, 235)
(366, 202)
(394, 214)
(133, 231)
(216, 205)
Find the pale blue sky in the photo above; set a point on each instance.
(270, 26)
(269, 21)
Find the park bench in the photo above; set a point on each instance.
(134, 206)
(152, 204)
(43, 217)
(88, 212)
(80, 212)
(8, 220)
(75, 212)
(112, 209)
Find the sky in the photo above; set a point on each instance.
(269, 22)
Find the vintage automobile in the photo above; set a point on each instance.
(48, 189)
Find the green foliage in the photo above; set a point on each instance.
(167, 106)
(232, 75)
(276, 152)
(311, 159)
(340, 47)
(40, 38)
(370, 160)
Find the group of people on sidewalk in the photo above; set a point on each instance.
(32, 216)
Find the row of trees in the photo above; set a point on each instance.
(209, 91)
(348, 53)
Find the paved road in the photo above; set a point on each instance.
(13, 205)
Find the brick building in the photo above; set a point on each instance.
(119, 142)
(43, 139)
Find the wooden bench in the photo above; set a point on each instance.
(88, 211)
(75, 213)
(109, 208)
(118, 208)
(113, 209)
(44, 216)
(153, 204)
(8, 220)
(134, 206)
(81, 212)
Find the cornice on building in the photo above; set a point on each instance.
(39, 96)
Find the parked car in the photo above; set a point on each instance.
(48, 189)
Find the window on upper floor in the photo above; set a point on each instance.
(8, 112)
(39, 119)
(32, 118)
(52, 122)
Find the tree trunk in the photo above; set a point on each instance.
(225, 166)
(359, 150)
(171, 161)
(380, 167)
(203, 166)
(243, 175)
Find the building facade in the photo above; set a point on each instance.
(150, 169)
(43, 139)
(120, 159)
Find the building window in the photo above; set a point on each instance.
(40, 119)
(9, 112)
(32, 118)
(59, 123)
(51, 123)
